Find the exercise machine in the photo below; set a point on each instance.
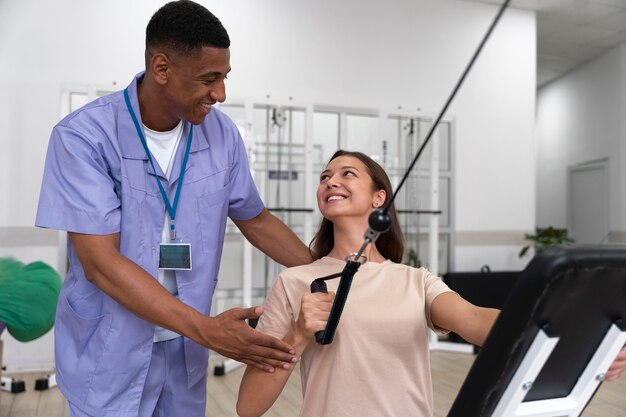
(560, 329)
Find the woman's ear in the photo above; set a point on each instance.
(379, 198)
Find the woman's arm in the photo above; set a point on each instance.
(450, 311)
(259, 390)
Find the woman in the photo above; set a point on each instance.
(378, 363)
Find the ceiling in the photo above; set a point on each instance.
(571, 32)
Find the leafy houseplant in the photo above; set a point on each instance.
(544, 238)
(412, 259)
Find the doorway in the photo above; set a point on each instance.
(588, 202)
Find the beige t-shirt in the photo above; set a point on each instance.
(378, 363)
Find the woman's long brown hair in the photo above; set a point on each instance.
(391, 243)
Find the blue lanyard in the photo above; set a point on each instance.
(171, 210)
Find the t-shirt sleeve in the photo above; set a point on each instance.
(277, 311)
(244, 201)
(434, 286)
(77, 192)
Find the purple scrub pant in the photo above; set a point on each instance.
(165, 393)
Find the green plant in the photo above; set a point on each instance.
(412, 259)
(544, 238)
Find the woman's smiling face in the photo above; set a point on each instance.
(346, 189)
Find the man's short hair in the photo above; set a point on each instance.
(185, 26)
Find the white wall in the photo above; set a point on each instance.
(580, 119)
(361, 53)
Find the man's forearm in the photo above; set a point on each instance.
(134, 288)
(128, 284)
(275, 239)
(286, 248)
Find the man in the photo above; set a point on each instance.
(143, 180)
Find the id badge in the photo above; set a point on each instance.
(175, 256)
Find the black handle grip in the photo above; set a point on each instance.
(326, 337)
(319, 286)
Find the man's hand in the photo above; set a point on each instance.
(617, 367)
(232, 337)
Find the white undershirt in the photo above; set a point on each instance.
(163, 146)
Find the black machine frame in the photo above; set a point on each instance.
(561, 327)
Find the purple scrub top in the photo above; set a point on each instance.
(97, 180)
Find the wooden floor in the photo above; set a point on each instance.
(449, 370)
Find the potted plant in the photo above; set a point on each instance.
(544, 238)
(412, 259)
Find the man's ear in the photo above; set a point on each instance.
(160, 67)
